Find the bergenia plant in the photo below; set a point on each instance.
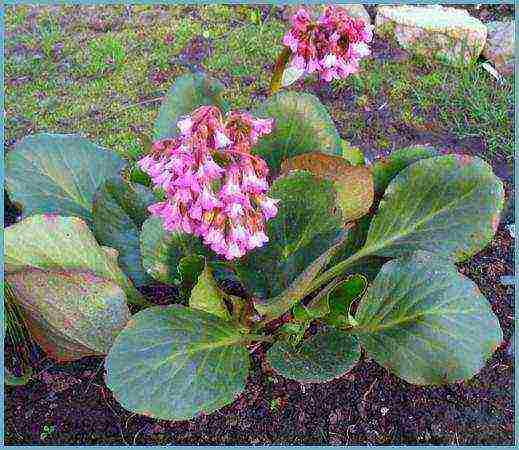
(274, 236)
(330, 46)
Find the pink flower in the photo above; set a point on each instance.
(185, 125)
(331, 46)
(268, 206)
(257, 240)
(234, 251)
(214, 187)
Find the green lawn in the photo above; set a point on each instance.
(101, 72)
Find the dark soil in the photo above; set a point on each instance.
(69, 404)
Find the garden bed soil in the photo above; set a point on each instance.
(69, 404)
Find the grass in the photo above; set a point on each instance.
(464, 101)
(101, 72)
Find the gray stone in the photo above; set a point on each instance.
(449, 34)
(499, 48)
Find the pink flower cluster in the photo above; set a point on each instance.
(214, 187)
(331, 46)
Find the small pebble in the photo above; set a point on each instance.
(507, 280)
(511, 229)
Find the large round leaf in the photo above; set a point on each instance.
(326, 355)
(425, 322)
(304, 228)
(448, 205)
(162, 250)
(71, 314)
(385, 169)
(301, 125)
(58, 174)
(119, 211)
(174, 362)
(353, 184)
(187, 93)
(54, 243)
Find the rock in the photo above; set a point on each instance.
(499, 48)
(354, 10)
(448, 34)
(358, 11)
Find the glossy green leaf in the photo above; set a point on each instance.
(162, 251)
(174, 362)
(345, 292)
(206, 296)
(54, 243)
(305, 227)
(352, 154)
(301, 125)
(119, 211)
(425, 322)
(448, 205)
(385, 169)
(71, 314)
(187, 93)
(326, 355)
(353, 184)
(58, 174)
(341, 297)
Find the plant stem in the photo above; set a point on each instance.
(279, 68)
(338, 269)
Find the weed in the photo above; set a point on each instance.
(47, 431)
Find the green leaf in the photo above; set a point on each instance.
(190, 268)
(302, 125)
(54, 243)
(425, 322)
(328, 354)
(298, 289)
(206, 296)
(12, 380)
(162, 251)
(385, 169)
(58, 174)
(315, 310)
(342, 296)
(352, 154)
(448, 205)
(368, 266)
(71, 314)
(119, 211)
(305, 227)
(352, 184)
(173, 362)
(187, 93)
